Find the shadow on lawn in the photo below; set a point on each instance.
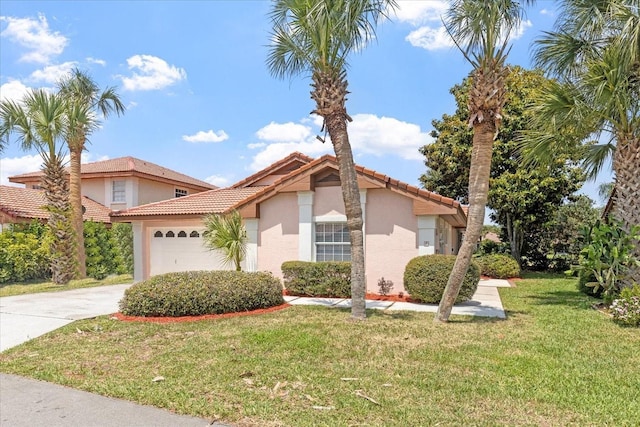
(569, 299)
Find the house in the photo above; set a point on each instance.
(126, 182)
(19, 205)
(293, 210)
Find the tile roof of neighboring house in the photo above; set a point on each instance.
(125, 166)
(26, 203)
(219, 201)
(213, 201)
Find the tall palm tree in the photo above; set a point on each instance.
(85, 103)
(481, 30)
(39, 122)
(228, 234)
(317, 37)
(594, 53)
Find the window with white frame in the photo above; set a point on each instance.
(332, 241)
(118, 192)
(181, 193)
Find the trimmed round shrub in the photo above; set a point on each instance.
(498, 266)
(425, 278)
(195, 293)
(330, 279)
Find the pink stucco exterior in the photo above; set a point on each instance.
(390, 238)
(278, 232)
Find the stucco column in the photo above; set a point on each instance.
(305, 225)
(427, 234)
(251, 259)
(138, 251)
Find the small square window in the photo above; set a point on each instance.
(181, 193)
(118, 192)
(332, 242)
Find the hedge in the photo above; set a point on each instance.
(425, 278)
(195, 293)
(317, 279)
(498, 266)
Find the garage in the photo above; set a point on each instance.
(181, 249)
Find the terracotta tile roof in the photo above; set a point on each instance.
(239, 195)
(383, 179)
(27, 203)
(213, 201)
(129, 166)
(280, 164)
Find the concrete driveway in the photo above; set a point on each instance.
(24, 317)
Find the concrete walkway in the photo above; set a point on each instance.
(27, 403)
(485, 302)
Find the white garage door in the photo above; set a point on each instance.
(181, 249)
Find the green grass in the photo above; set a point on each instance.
(555, 361)
(32, 287)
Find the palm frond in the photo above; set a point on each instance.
(596, 157)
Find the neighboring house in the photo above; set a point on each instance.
(19, 205)
(126, 182)
(293, 210)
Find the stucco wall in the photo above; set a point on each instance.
(328, 201)
(93, 188)
(152, 191)
(390, 238)
(278, 232)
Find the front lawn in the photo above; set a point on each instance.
(32, 287)
(554, 361)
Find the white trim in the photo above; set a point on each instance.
(305, 225)
(427, 225)
(330, 218)
(251, 259)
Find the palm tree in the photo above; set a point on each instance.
(595, 55)
(317, 37)
(481, 30)
(40, 121)
(85, 102)
(228, 234)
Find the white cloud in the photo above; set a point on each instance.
(53, 73)
(256, 145)
(430, 38)
(91, 60)
(209, 136)
(13, 90)
(217, 180)
(151, 73)
(368, 134)
(519, 31)
(546, 12)
(10, 166)
(418, 12)
(284, 132)
(35, 36)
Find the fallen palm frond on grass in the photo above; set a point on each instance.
(554, 361)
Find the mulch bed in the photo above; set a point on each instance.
(166, 319)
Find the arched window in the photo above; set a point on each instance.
(194, 234)
(182, 234)
(170, 234)
(157, 234)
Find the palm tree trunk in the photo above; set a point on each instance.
(626, 206)
(75, 198)
(337, 127)
(56, 188)
(483, 135)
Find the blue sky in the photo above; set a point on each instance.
(200, 98)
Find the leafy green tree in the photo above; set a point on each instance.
(481, 30)
(317, 37)
(85, 103)
(594, 52)
(522, 199)
(123, 235)
(40, 122)
(227, 234)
